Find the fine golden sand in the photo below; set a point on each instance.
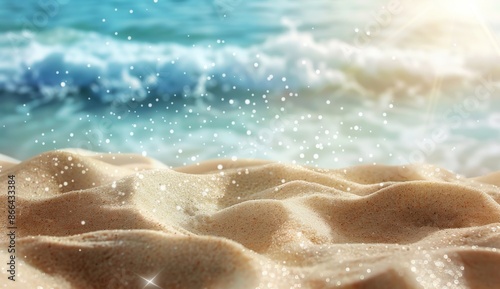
(88, 220)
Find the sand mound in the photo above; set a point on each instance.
(86, 220)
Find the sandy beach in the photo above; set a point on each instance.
(88, 220)
(229, 144)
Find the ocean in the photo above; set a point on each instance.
(321, 83)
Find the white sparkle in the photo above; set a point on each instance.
(150, 281)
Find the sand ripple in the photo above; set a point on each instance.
(87, 220)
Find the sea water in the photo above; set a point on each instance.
(321, 83)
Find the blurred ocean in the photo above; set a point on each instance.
(323, 83)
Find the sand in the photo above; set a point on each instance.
(88, 220)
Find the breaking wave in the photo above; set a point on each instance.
(68, 62)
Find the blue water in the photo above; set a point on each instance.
(322, 83)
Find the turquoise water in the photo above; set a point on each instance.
(322, 83)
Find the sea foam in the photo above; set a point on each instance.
(86, 63)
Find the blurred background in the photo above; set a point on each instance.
(323, 83)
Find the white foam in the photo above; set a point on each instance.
(111, 69)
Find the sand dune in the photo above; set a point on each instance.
(87, 220)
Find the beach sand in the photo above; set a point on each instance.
(88, 220)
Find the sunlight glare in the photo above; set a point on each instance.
(457, 8)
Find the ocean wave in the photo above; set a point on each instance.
(61, 63)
